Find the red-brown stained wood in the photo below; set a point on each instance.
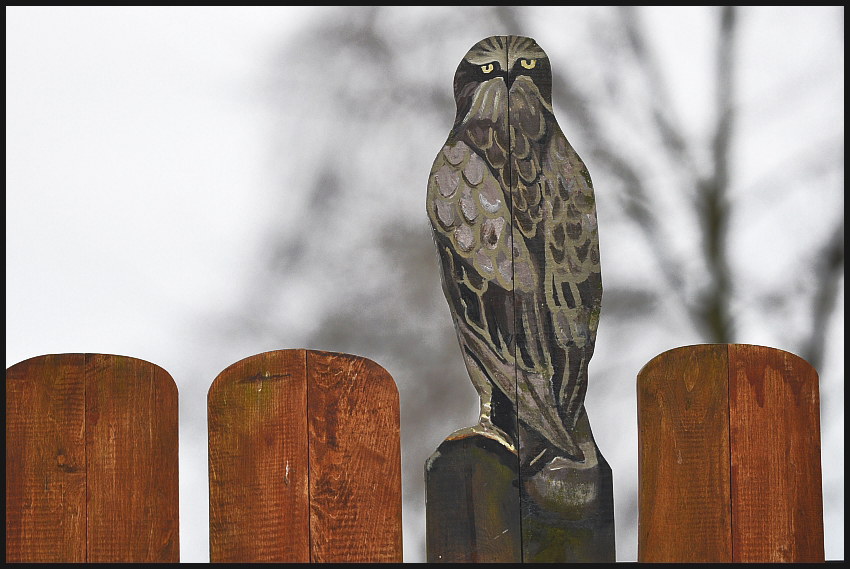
(132, 461)
(257, 412)
(46, 460)
(683, 445)
(91, 460)
(777, 503)
(355, 460)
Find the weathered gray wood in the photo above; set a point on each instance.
(568, 507)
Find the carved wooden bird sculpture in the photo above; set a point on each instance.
(514, 220)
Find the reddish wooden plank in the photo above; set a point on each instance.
(45, 460)
(257, 412)
(777, 503)
(683, 446)
(132, 461)
(355, 460)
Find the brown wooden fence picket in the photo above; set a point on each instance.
(777, 496)
(729, 456)
(305, 460)
(46, 460)
(355, 459)
(91, 460)
(259, 506)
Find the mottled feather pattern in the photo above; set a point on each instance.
(513, 214)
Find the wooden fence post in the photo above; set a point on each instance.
(91, 460)
(729, 456)
(304, 459)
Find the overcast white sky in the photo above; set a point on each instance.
(138, 169)
(136, 164)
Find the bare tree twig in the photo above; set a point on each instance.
(660, 102)
(712, 196)
(831, 265)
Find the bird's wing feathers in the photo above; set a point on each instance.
(522, 273)
(470, 218)
(466, 205)
(573, 283)
(555, 217)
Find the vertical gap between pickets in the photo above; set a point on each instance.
(510, 189)
(729, 371)
(309, 489)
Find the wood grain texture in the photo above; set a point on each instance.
(305, 460)
(355, 460)
(91, 460)
(473, 503)
(259, 503)
(683, 441)
(729, 433)
(46, 460)
(777, 501)
(132, 461)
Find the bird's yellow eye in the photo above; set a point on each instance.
(487, 68)
(528, 63)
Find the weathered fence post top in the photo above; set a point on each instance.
(513, 215)
(692, 349)
(338, 369)
(729, 456)
(91, 460)
(304, 460)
